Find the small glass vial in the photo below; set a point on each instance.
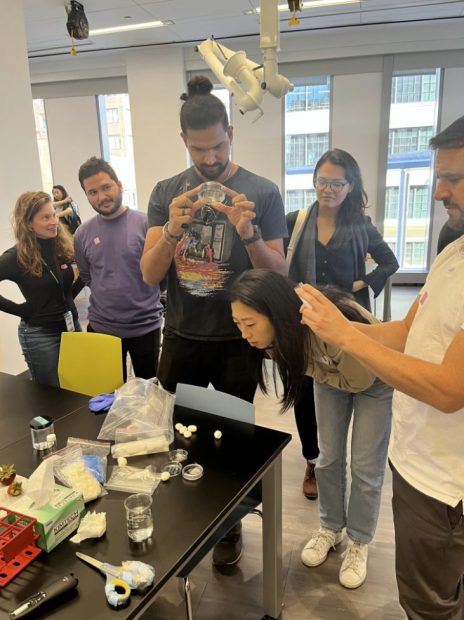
(42, 432)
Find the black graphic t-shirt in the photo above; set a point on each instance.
(210, 255)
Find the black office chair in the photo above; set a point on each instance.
(219, 403)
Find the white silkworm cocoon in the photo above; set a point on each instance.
(217, 434)
(192, 428)
(187, 434)
(165, 475)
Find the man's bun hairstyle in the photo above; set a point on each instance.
(201, 109)
(199, 85)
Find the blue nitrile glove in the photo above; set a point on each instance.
(101, 403)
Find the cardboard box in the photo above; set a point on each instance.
(57, 519)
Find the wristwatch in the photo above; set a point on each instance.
(256, 236)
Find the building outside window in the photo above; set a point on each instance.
(115, 143)
(112, 115)
(117, 146)
(43, 145)
(418, 202)
(307, 137)
(408, 198)
(391, 203)
(296, 197)
(414, 88)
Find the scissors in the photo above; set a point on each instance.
(120, 580)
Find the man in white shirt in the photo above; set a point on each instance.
(422, 356)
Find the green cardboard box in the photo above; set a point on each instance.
(57, 519)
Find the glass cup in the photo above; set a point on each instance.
(42, 432)
(139, 518)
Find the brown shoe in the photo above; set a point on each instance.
(309, 482)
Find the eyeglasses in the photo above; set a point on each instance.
(335, 186)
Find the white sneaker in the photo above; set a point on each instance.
(353, 571)
(316, 549)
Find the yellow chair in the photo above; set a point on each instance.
(90, 363)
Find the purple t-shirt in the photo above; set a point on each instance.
(108, 256)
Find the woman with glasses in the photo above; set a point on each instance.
(330, 247)
(40, 264)
(337, 236)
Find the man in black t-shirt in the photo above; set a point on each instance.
(202, 248)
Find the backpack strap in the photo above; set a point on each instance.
(296, 233)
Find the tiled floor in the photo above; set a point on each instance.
(309, 593)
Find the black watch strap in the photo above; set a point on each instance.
(256, 236)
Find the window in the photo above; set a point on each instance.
(418, 202)
(114, 142)
(413, 88)
(309, 97)
(118, 148)
(43, 145)
(296, 199)
(414, 254)
(409, 176)
(307, 137)
(112, 115)
(305, 149)
(392, 202)
(409, 139)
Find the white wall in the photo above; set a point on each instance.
(356, 105)
(258, 146)
(19, 157)
(156, 79)
(73, 134)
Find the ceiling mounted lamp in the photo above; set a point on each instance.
(306, 4)
(130, 27)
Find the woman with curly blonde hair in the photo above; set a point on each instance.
(40, 263)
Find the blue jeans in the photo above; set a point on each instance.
(371, 411)
(41, 350)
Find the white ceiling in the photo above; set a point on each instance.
(195, 20)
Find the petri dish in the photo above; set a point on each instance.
(211, 192)
(178, 455)
(174, 468)
(194, 471)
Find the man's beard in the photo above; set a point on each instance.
(455, 223)
(207, 171)
(116, 206)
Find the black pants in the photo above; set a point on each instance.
(429, 541)
(305, 418)
(228, 365)
(143, 351)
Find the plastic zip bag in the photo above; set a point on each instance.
(133, 479)
(95, 454)
(70, 469)
(140, 406)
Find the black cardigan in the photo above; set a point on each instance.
(365, 239)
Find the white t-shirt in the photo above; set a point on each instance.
(427, 445)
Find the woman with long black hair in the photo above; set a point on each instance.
(329, 244)
(265, 307)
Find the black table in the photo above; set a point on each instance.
(22, 399)
(185, 513)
